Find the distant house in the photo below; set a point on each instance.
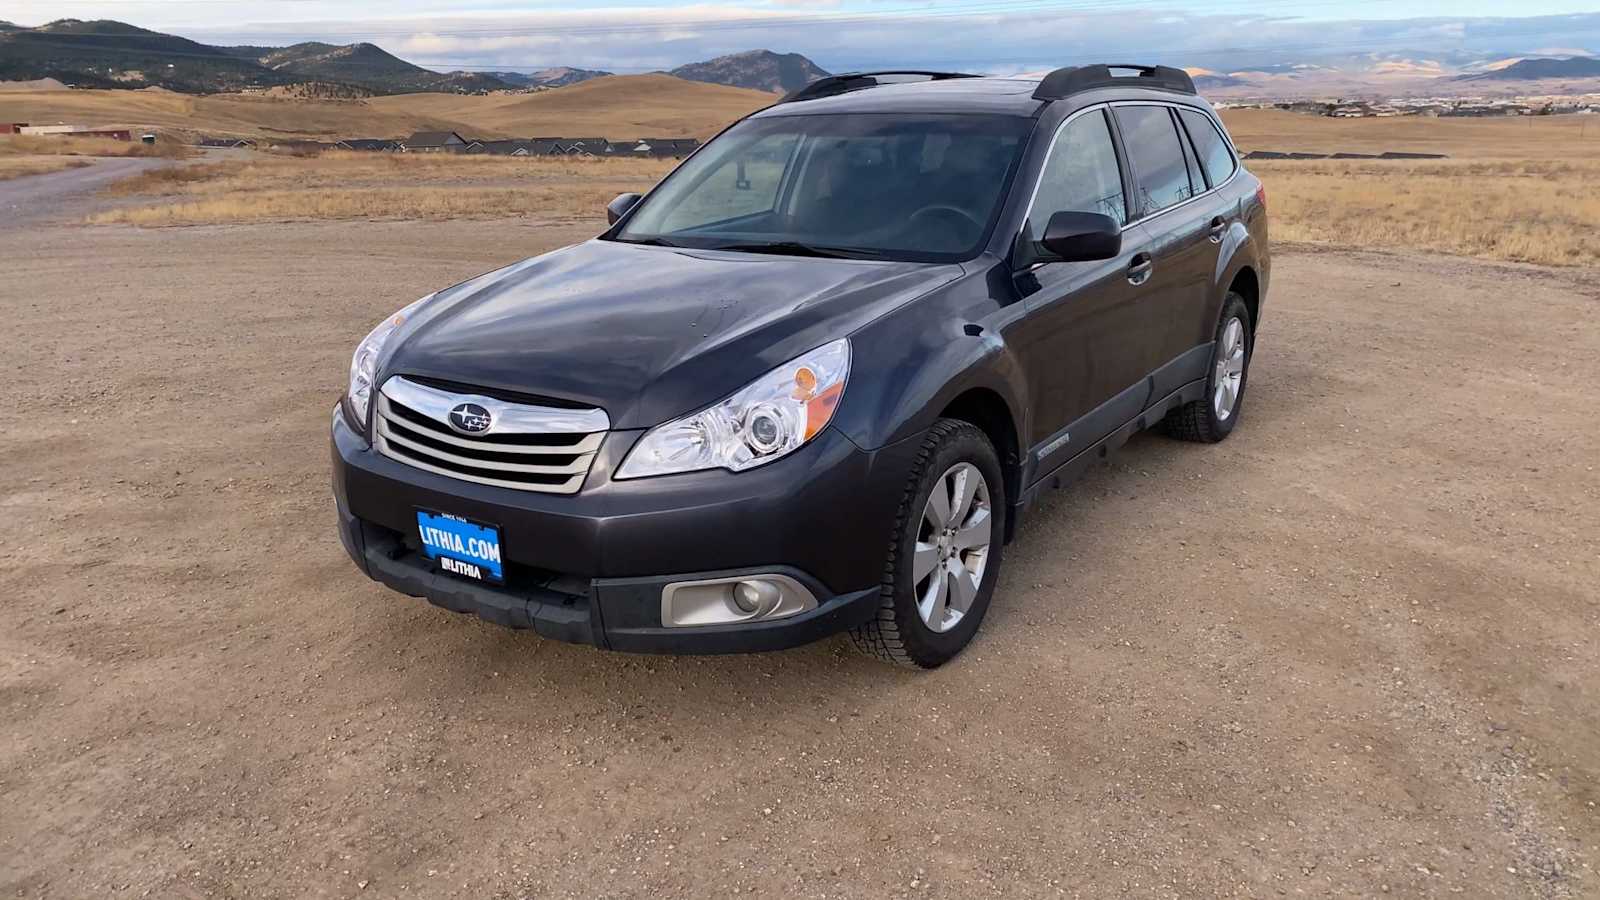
(370, 145)
(538, 147)
(226, 142)
(434, 142)
(301, 148)
(627, 148)
(12, 127)
(582, 146)
(666, 148)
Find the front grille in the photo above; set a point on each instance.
(526, 447)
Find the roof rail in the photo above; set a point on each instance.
(830, 85)
(1071, 80)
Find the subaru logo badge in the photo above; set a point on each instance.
(470, 418)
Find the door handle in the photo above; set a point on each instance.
(1142, 267)
(1219, 226)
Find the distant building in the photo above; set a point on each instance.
(591, 146)
(226, 143)
(12, 127)
(434, 142)
(116, 134)
(370, 145)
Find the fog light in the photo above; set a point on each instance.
(757, 596)
(729, 601)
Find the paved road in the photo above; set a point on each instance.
(35, 198)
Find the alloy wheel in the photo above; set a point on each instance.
(952, 546)
(1228, 376)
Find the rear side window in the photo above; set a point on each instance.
(1213, 148)
(1159, 169)
(1082, 174)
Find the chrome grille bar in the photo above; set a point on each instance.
(525, 447)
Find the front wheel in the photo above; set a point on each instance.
(1212, 417)
(944, 555)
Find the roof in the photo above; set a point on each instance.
(434, 139)
(1001, 96)
(997, 96)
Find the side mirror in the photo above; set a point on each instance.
(1081, 236)
(619, 207)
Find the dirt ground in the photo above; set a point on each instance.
(1350, 651)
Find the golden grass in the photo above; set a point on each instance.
(1520, 138)
(18, 166)
(52, 145)
(619, 107)
(1537, 212)
(380, 186)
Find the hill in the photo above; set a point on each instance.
(614, 106)
(113, 54)
(368, 65)
(760, 70)
(1539, 68)
(109, 54)
(617, 107)
(558, 76)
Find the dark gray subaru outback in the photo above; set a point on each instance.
(811, 381)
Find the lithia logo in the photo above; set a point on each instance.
(470, 418)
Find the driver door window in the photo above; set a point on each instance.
(1081, 174)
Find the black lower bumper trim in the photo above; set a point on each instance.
(632, 605)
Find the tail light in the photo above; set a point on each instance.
(1261, 196)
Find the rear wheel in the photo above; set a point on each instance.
(1212, 417)
(944, 555)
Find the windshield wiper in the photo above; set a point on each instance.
(796, 248)
(648, 242)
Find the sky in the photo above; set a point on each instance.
(996, 36)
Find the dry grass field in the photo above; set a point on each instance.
(619, 107)
(22, 155)
(1519, 189)
(379, 186)
(18, 166)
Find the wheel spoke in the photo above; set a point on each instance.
(934, 601)
(963, 586)
(964, 488)
(1235, 364)
(938, 511)
(975, 533)
(923, 561)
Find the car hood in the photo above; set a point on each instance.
(646, 333)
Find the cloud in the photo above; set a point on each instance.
(990, 36)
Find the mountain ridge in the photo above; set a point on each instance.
(762, 70)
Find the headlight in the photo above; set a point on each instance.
(773, 416)
(364, 365)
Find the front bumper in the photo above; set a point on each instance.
(590, 567)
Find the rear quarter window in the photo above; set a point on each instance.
(1209, 143)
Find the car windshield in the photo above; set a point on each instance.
(891, 186)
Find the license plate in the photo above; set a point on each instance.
(460, 547)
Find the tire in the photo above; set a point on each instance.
(1211, 419)
(900, 633)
